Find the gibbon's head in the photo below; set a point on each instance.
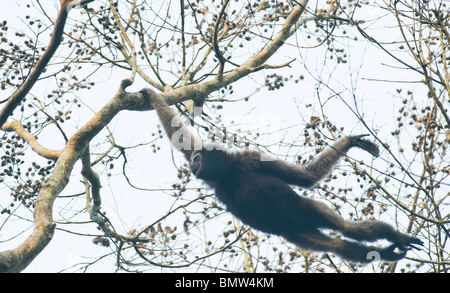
(210, 165)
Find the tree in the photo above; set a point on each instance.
(221, 57)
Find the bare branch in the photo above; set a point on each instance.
(17, 259)
(125, 40)
(216, 43)
(31, 140)
(15, 99)
(94, 180)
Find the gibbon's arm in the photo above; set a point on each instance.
(180, 136)
(311, 173)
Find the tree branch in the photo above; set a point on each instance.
(31, 140)
(216, 43)
(17, 259)
(17, 97)
(94, 180)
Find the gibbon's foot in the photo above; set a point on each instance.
(365, 144)
(414, 243)
(392, 253)
(396, 252)
(406, 241)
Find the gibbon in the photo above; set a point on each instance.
(258, 192)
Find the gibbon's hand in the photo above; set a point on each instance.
(364, 144)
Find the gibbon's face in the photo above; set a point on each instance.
(210, 165)
(196, 163)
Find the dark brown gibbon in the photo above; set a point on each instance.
(258, 193)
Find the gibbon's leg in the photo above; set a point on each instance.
(312, 213)
(315, 214)
(352, 251)
(375, 230)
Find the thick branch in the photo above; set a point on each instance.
(17, 259)
(94, 180)
(255, 63)
(93, 191)
(31, 140)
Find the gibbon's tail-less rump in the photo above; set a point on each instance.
(258, 192)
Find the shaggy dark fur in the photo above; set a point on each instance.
(258, 193)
